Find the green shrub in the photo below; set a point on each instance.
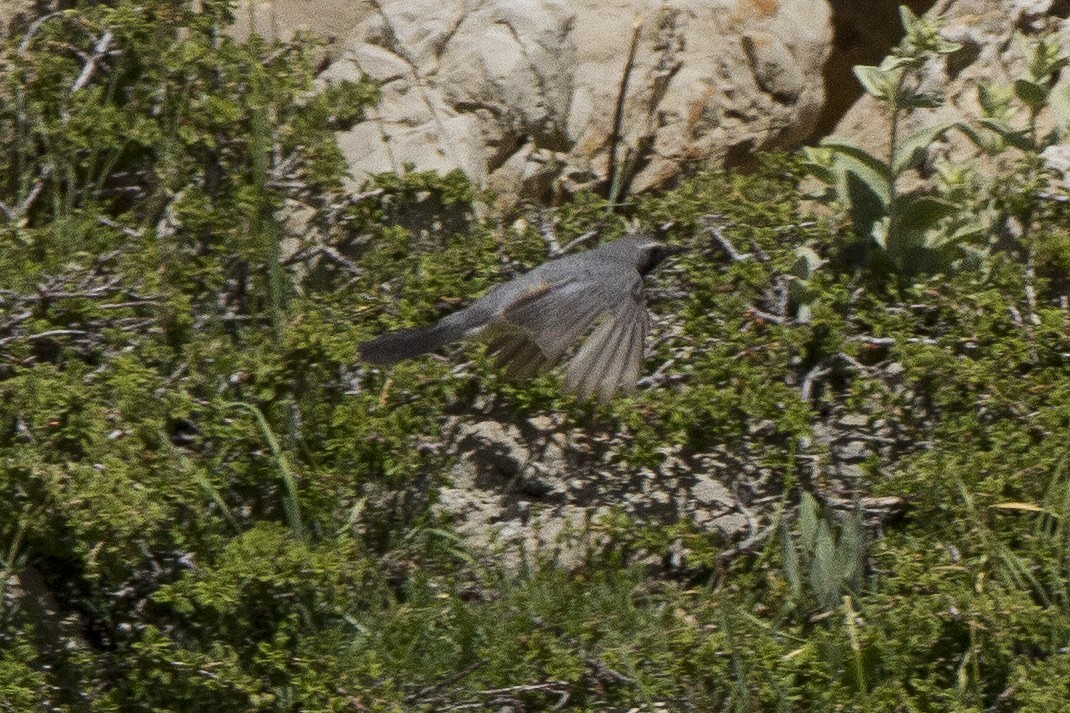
(209, 506)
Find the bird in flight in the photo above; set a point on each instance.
(531, 321)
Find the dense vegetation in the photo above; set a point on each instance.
(207, 505)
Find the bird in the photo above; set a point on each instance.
(531, 321)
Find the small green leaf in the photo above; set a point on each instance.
(1017, 138)
(995, 100)
(1057, 64)
(879, 232)
(824, 578)
(856, 187)
(807, 261)
(1031, 93)
(791, 560)
(966, 233)
(1044, 58)
(919, 213)
(850, 547)
(875, 81)
(911, 150)
(846, 149)
(988, 141)
(818, 162)
(864, 183)
(909, 19)
(943, 46)
(896, 62)
(808, 521)
(921, 100)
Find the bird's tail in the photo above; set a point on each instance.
(407, 343)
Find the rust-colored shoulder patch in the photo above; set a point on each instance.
(533, 293)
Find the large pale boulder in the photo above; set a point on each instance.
(330, 20)
(534, 98)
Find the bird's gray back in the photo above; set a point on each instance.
(601, 279)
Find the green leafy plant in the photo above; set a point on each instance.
(1036, 90)
(822, 562)
(909, 228)
(802, 291)
(211, 506)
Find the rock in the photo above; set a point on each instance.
(523, 96)
(765, 428)
(854, 420)
(281, 20)
(708, 491)
(864, 32)
(854, 452)
(847, 474)
(894, 372)
(1057, 158)
(731, 524)
(519, 488)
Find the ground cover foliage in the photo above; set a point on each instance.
(207, 505)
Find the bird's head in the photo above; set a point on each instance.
(642, 252)
(650, 253)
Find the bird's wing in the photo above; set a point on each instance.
(555, 314)
(535, 328)
(515, 351)
(612, 356)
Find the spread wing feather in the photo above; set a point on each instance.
(515, 351)
(557, 316)
(611, 357)
(535, 330)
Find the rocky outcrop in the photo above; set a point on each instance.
(985, 29)
(543, 485)
(540, 98)
(539, 486)
(330, 20)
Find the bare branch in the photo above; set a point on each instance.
(27, 202)
(767, 316)
(326, 251)
(875, 341)
(713, 227)
(1031, 300)
(423, 695)
(34, 28)
(748, 544)
(658, 376)
(823, 369)
(549, 235)
(576, 241)
(130, 232)
(1056, 197)
(552, 686)
(45, 335)
(99, 50)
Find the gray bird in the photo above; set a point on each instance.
(533, 319)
